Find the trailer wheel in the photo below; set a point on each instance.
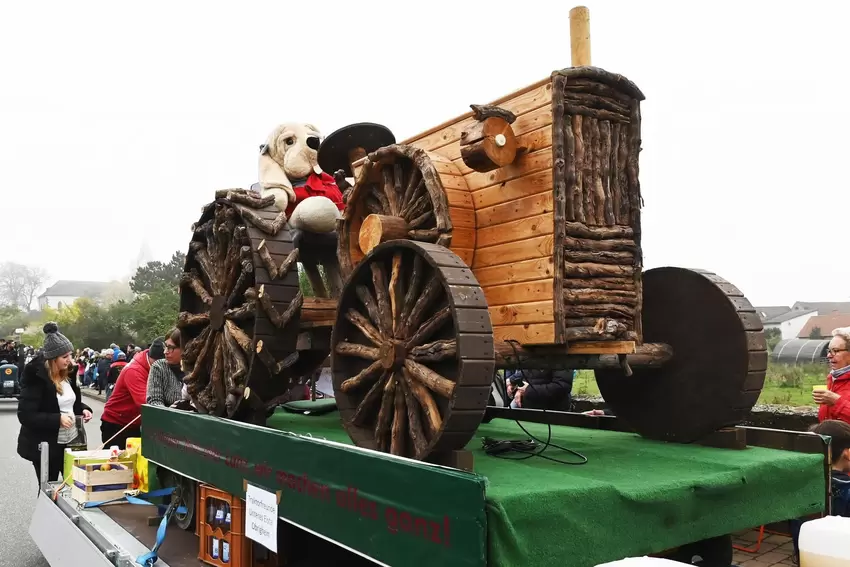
(718, 365)
(185, 491)
(188, 488)
(413, 352)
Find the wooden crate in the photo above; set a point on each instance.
(92, 474)
(241, 552)
(93, 484)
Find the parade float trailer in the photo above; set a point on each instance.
(509, 237)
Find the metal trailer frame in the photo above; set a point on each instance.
(61, 530)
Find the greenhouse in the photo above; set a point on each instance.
(800, 351)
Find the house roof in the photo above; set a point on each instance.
(788, 315)
(770, 311)
(826, 323)
(823, 307)
(74, 288)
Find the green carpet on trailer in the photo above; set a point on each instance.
(633, 497)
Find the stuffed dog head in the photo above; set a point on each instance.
(291, 153)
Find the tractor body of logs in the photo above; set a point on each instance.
(597, 135)
(600, 292)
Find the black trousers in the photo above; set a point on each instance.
(107, 430)
(56, 464)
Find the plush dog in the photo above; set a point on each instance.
(310, 198)
(289, 170)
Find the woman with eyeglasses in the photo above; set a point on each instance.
(165, 382)
(835, 400)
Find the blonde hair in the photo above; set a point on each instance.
(57, 375)
(842, 333)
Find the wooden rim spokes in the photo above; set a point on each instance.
(396, 358)
(398, 195)
(222, 299)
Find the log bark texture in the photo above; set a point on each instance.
(599, 140)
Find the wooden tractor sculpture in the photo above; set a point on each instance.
(509, 236)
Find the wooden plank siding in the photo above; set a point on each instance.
(510, 212)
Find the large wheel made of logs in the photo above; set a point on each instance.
(398, 194)
(412, 351)
(239, 305)
(718, 365)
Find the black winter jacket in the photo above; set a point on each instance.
(547, 389)
(103, 371)
(38, 408)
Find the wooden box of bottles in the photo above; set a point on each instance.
(220, 529)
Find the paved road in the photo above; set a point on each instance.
(18, 488)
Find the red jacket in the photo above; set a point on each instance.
(317, 185)
(841, 408)
(127, 398)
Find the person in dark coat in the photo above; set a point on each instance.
(114, 371)
(540, 389)
(103, 370)
(50, 400)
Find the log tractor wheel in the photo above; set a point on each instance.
(239, 306)
(398, 195)
(719, 358)
(412, 351)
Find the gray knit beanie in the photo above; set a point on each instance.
(55, 343)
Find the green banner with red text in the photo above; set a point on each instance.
(396, 511)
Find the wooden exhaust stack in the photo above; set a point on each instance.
(580, 36)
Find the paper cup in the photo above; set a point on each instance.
(819, 387)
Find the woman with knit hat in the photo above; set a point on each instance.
(50, 400)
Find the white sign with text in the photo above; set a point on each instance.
(261, 517)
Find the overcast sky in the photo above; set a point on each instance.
(119, 120)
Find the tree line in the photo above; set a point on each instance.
(95, 323)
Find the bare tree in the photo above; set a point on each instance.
(20, 283)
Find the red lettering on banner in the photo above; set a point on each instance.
(405, 522)
(349, 498)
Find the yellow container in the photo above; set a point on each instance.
(817, 387)
(141, 478)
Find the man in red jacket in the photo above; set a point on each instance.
(835, 400)
(125, 403)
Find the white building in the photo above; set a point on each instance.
(790, 323)
(65, 292)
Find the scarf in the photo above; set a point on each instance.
(315, 185)
(178, 371)
(840, 373)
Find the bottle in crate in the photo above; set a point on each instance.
(214, 547)
(227, 518)
(225, 551)
(219, 514)
(211, 512)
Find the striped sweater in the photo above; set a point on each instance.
(164, 385)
